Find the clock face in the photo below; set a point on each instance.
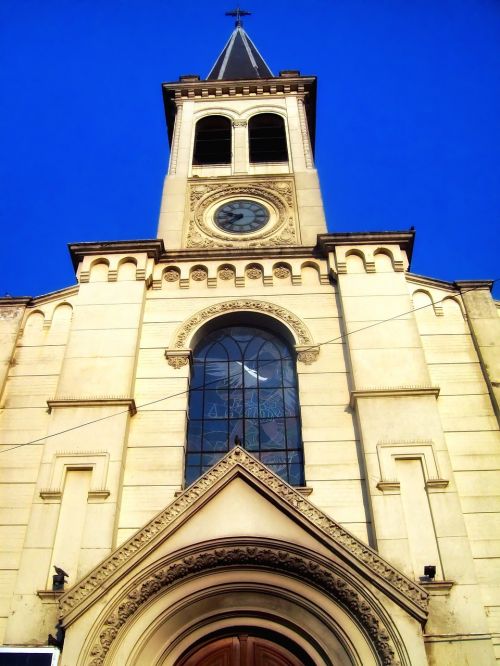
(241, 216)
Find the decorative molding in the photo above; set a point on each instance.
(50, 596)
(392, 391)
(62, 461)
(152, 248)
(240, 123)
(51, 494)
(437, 484)
(306, 142)
(307, 354)
(300, 330)
(105, 401)
(404, 239)
(176, 139)
(380, 570)
(437, 588)
(278, 192)
(276, 559)
(389, 486)
(389, 452)
(304, 490)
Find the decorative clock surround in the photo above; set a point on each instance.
(276, 195)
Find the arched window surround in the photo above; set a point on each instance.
(222, 152)
(234, 358)
(280, 152)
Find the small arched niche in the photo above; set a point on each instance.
(62, 315)
(383, 261)
(423, 304)
(355, 262)
(212, 141)
(127, 269)
(99, 271)
(34, 323)
(310, 273)
(451, 308)
(267, 138)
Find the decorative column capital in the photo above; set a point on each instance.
(178, 358)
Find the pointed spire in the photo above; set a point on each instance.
(240, 58)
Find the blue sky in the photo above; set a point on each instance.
(408, 120)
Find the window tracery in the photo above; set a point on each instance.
(244, 390)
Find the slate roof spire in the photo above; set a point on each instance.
(240, 58)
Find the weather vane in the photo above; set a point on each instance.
(238, 13)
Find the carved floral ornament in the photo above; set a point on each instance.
(278, 194)
(307, 351)
(226, 273)
(281, 272)
(381, 569)
(301, 566)
(171, 275)
(254, 273)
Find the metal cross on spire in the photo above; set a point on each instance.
(238, 13)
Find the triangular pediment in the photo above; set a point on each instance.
(240, 497)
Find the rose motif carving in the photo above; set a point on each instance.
(281, 272)
(226, 274)
(254, 273)
(172, 275)
(199, 274)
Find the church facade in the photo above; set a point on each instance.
(249, 440)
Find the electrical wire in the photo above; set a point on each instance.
(206, 385)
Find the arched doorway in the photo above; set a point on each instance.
(241, 650)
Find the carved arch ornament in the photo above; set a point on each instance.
(267, 556)
(178, 354)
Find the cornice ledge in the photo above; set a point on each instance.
(437, 587)
(93, 401)
(469, 285)
(9, 301)
(205, 254)
(242, 86)
(414, 278)
(362, 557)
(392, 391)
(153, 247)
(405, 239)
(49, 596)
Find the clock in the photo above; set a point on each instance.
(241, 216)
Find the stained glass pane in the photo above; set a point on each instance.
(244, 386)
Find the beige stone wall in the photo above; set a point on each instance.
(470, 429)
(400, 437)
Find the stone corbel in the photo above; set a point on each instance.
(178, 358)
(307, 353)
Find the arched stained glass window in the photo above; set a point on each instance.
(244, 386)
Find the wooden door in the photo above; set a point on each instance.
(241, 650)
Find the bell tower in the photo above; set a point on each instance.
(241, 172)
